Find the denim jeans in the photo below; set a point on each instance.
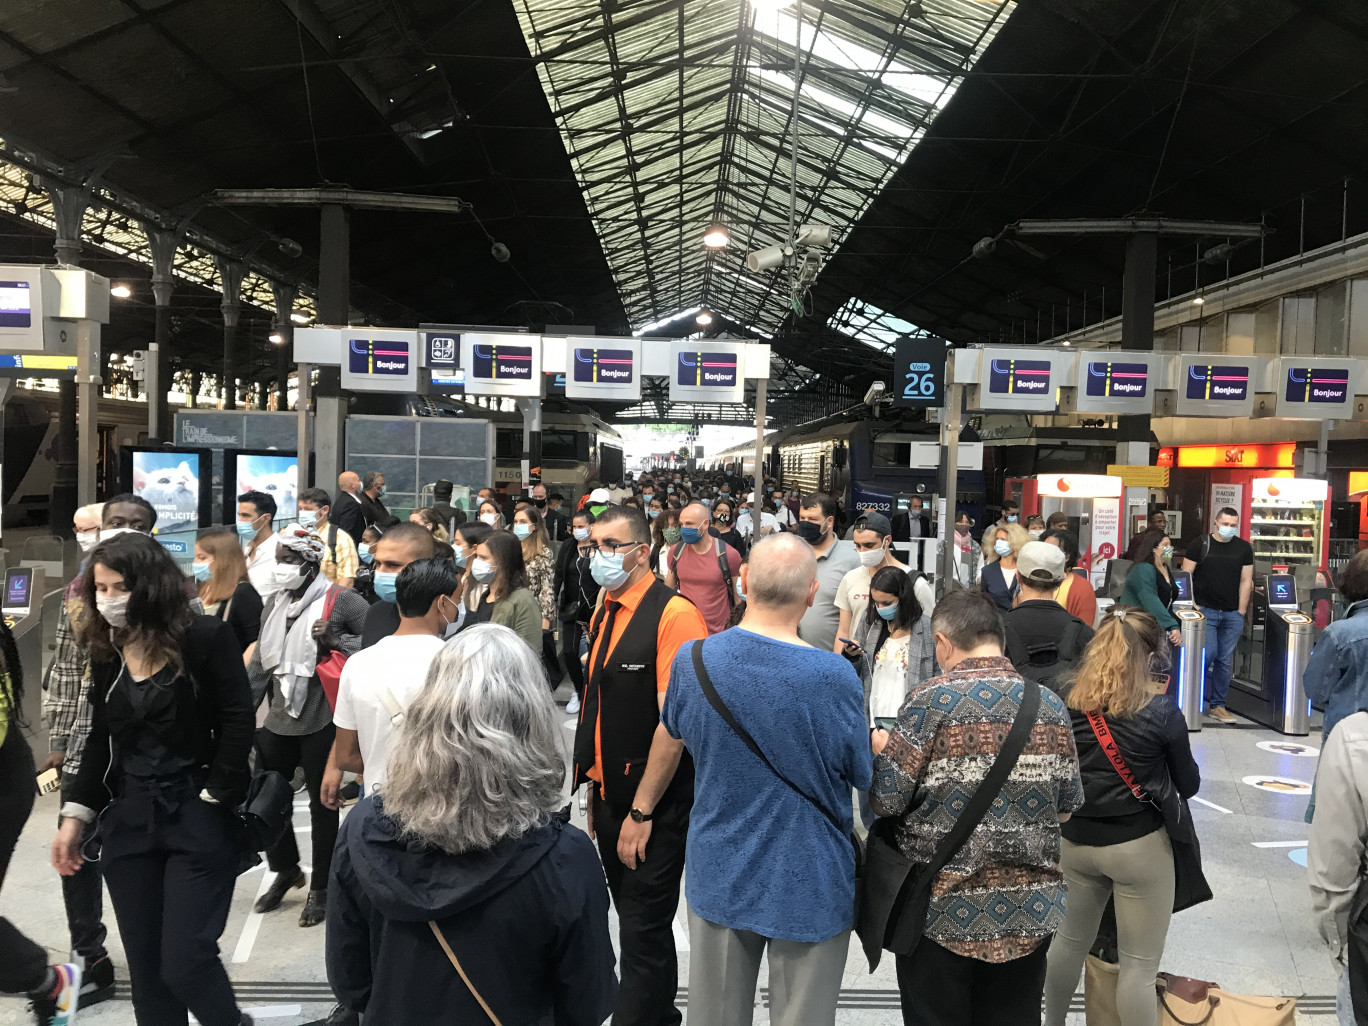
(1223, 627)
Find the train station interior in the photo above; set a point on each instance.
(931, 261)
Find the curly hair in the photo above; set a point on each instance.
(158, 606)
(1113, 678)
(1016, 538)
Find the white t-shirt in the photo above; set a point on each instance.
(853, 593)
(399, 663)
(888, 683)
(769, 524)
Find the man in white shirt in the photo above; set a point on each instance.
(379, 683)
(256, 529)
(783, 515)
(871, 535)
(745, 521)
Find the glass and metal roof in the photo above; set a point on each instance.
(677, 115)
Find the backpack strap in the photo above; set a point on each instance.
(332, 544)
(720, 547)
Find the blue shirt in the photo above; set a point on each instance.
(761, 857)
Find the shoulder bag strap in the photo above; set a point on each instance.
(715, 700)
(329, 600)
(720, 547)
(456, 964)
(1113, 753)
(987, 792)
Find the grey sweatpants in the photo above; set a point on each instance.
(804, 979)
(1139, 874)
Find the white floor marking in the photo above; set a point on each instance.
(252, 927)
(1279, 844)
(681, 936)
(1212, 805)
(268, 1012)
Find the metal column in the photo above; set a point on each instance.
(163, 245)
(69, 204)
(231, 273)
(285, 296)
(1137, 333)
(761, 408)
(949, 484)
(1189, 676)
(334, 307)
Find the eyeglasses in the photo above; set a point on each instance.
(611, 548)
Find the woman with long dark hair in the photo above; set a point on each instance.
(897, 651)
(498, 567)
(723, 513)
(530, 529)
(164, 771)
(1149, 584)
(576, 596)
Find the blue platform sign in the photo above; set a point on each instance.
(919, 372)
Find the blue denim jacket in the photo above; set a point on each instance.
(1337, 672)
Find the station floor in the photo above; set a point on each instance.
(1257, 936)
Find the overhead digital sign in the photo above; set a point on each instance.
(712, 370)
(442, 348)
(1021, 380)
(1114, 382)
(501, 363)
(378, 356)
(1316, 388)
(16, 304)
(1019, 377)
(28, 293)
(603, 369)
(498, 364)
(919, 372)
(380, 360)
(707, 372)
(1309, 385)
(1221, 389)
(1217, 383)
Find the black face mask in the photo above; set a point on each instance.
(539, 503)
(810, 532)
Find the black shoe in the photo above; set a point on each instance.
(97, 984)
(246, 1020)
(275, 894)
(315, 908)
(340, 1016)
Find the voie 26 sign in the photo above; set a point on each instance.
(919, 372)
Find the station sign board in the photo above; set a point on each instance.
(1025, 380)
(1316, 388)
(1139, 475)
(1079, 486)
(380, 360)
(441, 349)
(919, 372)
(603, 368)
(1115, 382)
(707, 372)
(502, 364)
(1217, 385)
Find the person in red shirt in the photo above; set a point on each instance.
(704, 568)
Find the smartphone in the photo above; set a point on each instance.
(850, 642)
(885, 722)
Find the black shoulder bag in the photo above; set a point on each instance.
(897, 891)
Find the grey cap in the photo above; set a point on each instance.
(876, 522)
(1041, 563)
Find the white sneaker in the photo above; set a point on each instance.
(572, 707)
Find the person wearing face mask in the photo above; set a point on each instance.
(341, 559)
(379, 683)
(640, 778)
(163, 772)
(304, 620)
(450, 517)
(85, 522)
(1076, 593)
(1044, 642)
(1157, 522)
(576, 594)
(529, 529)
(67, 711)
(498, 567)
(399, 546)
(835, 558)
(364, 585)
(999, 578)
(1222, 568)
(468, 536)
(1011, 514)
(704, 567)
(1035, 526)
(723, 513)
(256, 532)
(872, 537)
(894, 644)
(225, 590)
(968, 557)
(372, 501)
(1149, 584)
(489, 514)
(665, 535)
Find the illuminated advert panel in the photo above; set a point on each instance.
(1022, 379)
(603, 368)
(1217, 385)
(1115, 382)
(1316, 388)
(502, 364)
(708, 372)
(379, 360)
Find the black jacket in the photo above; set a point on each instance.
(451, 516)
(212, 721)
(1044, 639)
(244, 614)
(902, 526)
(571, 606)
(1154, 744)
(375, 512)
(348, 515)
(557, 525)
(528, 920)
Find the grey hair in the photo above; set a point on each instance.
(782, 569)
(968, 618)
(478, 756)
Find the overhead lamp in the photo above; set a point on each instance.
(121, 292)
(1197, 300)
(300, 317)
(276, 337)
(704, 318)
(716, 237)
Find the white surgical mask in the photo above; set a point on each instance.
(1227, 531)
(287, 575)
(114, 609)
(87, 540)
(581, 534)
(522, 530)
(1002, 547)
(490, 518)
(113, 532)
(871, 557)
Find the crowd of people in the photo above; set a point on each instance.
(746, 689)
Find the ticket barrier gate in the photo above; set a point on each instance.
(1189, 674)
(22, 607)
(1279, 699)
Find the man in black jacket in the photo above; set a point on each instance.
(347, 510)
(912, 525)
(452, 517)
(373, 488)
(1043, 639)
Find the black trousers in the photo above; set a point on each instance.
(23, 964)
(571, 633)
(646, 899)
(83, 898)
(283, 753)
(941, 988)
(171, 862)
(551, 660)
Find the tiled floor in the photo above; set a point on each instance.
(1256, 936)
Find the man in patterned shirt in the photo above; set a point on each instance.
(999, 900)
(340, 561)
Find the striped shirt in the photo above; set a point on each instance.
(1002, 894)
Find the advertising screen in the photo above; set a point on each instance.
(16, 304)
(1019, 377)
(501, 363)
(378, 356)
(171, 482)
(1208, 383)
(276, 474)
(605, 366)
(1125, 380)
(18, 584)
(707, 370)
(1317, 385)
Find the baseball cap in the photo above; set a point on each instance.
(1041, 563)
(875, 522)
(599, 496)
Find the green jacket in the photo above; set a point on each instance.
(1142, 589)
(521, 613)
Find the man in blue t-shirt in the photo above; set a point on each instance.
(767, 867)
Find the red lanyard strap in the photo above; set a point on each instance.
(1113, 753)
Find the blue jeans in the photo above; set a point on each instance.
(1223, 628)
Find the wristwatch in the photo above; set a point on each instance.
(640, 817)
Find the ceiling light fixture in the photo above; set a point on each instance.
(1197, 300)
(716, 237)
(300, 317)
(276, 337)
(704, 318)
(121, 292)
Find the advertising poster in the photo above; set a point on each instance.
(1106, 538)
(1223, 495)
(277, 476)
(170, 481)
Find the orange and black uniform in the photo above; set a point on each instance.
(628, 670)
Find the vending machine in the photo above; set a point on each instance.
(1095, 500)
(1287, 521)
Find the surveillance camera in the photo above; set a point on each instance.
(290, 248)
(766, 259)
(875, 393)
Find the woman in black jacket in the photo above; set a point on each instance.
(463, 848)
(576, 594)
(1117, 845)
(165, 768)
(225, 590)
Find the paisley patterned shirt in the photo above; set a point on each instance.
(1002, 894)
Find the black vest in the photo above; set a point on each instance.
(629, 709)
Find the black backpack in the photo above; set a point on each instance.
(1046, 659)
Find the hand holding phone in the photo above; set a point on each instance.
(852, 648)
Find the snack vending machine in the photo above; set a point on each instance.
(1287, 520)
